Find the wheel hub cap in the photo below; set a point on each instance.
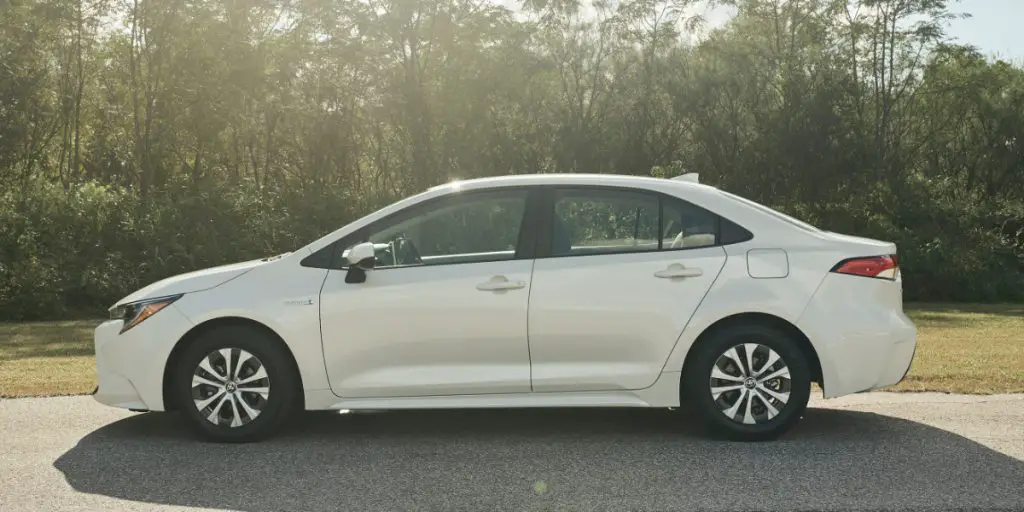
(230, 387)
(750, 383)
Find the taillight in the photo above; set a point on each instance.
(882, 267)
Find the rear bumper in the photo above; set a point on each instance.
(862, 361)
(898, 362)
(863, 339)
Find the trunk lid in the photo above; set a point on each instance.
(860, 246)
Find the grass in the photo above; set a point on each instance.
(962, 348)
(967, 348)
(47, 358)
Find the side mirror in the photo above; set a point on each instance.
(362, 256)
(360, 259)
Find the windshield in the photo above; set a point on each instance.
(774, 213)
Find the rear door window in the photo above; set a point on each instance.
(589, 221)
(604, 222)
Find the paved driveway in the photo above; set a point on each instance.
(866, 452)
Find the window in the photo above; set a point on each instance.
(602, 222)
(687, 226)
(460, 229)
(731, 233)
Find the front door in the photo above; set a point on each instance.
(624, 273)
(444, 312)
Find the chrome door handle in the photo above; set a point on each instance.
(498, 283)
(678, 270)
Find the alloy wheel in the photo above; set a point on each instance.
(750, 383)
(230, 387)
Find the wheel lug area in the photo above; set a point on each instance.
(217, 387)
(738, 386)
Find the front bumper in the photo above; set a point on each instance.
(130, 366)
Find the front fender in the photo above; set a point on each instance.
(292, 312)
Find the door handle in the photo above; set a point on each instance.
(678, 270)
(498, 283)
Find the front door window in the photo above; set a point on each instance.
(471, 229)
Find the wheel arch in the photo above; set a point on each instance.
(767, 320)
(209, 325)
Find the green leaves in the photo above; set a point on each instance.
(197, 133)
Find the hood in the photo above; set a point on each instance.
(194, 281)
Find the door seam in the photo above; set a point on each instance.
(320, 328)
(664, 365)
(529, 293)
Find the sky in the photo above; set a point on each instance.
(994, 27)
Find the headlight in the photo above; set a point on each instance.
(133, 313)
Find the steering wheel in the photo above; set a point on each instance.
(386, 256)
(405, 252)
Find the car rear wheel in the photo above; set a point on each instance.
(236, 384)
(748, 383)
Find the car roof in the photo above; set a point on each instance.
(555, 179)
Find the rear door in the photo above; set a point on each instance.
(619, 274)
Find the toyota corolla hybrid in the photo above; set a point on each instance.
(523, 291)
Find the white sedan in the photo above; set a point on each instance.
(523, 291)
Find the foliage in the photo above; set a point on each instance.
(145, 138)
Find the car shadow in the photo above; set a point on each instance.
(547, 459)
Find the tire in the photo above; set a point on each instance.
(760, 424)
(266, 387)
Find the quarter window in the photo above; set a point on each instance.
(687, 226)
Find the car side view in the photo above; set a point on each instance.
(523, 291)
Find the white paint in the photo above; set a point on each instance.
(767, 263)
(584, 330)
(427, 331)
(608, 322)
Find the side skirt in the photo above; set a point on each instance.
(663, 393)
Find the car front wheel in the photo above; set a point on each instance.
(748, 383)
(236, 384)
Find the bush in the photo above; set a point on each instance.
(72, 253)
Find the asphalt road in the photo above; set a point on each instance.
(866, 452)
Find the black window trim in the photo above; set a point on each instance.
(321, 258)
(525, 247)
(535, 232)
(547, 206)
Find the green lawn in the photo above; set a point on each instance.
(967, 348)
(963, 348)
(47, 358)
